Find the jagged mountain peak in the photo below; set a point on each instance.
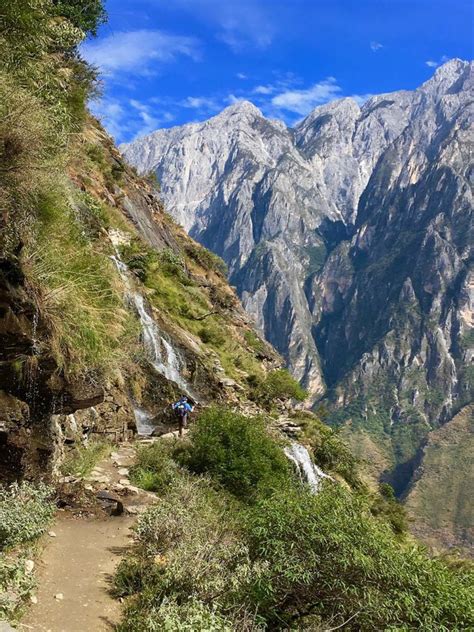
(241, 107)
(345, 107)
(453, 76)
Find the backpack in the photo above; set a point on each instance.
(180, 408)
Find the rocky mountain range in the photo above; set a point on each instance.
(349, 239)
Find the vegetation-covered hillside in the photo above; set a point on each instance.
(108, 311)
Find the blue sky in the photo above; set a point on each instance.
(169, 62)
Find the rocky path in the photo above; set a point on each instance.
(81, 554)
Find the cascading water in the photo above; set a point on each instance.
(308, 471)
(153, 340)
(143, 420)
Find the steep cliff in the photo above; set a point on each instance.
(349, 239)
(170, 323)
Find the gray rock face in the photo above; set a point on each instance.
(349, 239)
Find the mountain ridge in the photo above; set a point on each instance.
(349, 240)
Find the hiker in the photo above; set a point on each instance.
(182, 408)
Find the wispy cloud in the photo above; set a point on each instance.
(241, 75)
(238, 24)
(140, 52)
(375, 46)
(203, 105)
(303, 101)
(434, 64)
(128, 119)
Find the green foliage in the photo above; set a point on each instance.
(188, 566)
(139, 258)
(25, 512)
(385, 504)
(90, 215)
(82, 459)
(86, 15)
(238, 452)
(327, 558)
(16, 584)
(80, 291)
(212, 334)
(206, 258)
(330, 451)
(292, 559)
(255, 342)
(334, 455)
(278, 384)
(155, 469)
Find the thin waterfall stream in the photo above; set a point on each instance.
(308, 471)
(153, 340)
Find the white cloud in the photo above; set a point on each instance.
(138, 52)
(241, 75)
(375, 46)
(129, 119)
(238, 24)
(269, 89)
(205, 105)
(303, 101)
(434, 64)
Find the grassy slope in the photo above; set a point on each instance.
(440, 501)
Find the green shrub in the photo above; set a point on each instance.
(25, 512)
(386, 505)
(327, 557)
(172, 264)
(255, 343)
(155, 469)
(16, 584)
(190, 555)
(212, 335)
(277, 385)
(190, 615)
(139, 258)
(238, 452)
(334, 455)
(206, 258)
(82, 459)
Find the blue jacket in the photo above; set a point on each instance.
(182, 407)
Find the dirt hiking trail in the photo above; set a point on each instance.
(80, 556)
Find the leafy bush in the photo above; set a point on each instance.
(16, 584)
(254, 342)
(238, 452)
(25, 512)
(278, 384)
(155, 469)
(385, 504)
(139, 258)
(328, 558)
(206, 258)
(288, 560)
(334, 455)
(189, 565)
(211, 334)
(82, 459)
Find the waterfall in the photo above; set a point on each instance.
(143, 421)
(153, 339)
(308, 471)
